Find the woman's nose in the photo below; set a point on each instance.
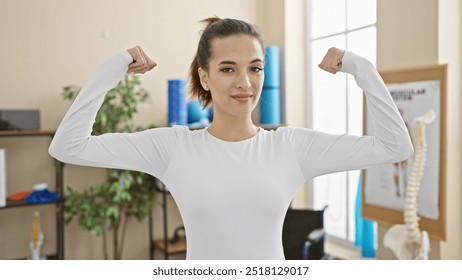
(243, 81)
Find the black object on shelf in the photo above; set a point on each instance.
(19, 119)
(59, 189)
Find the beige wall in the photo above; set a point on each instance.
(295, 79)
(407, 33)
(450, 52)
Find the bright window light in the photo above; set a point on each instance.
(336, 102)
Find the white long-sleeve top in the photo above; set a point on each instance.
(232, 196)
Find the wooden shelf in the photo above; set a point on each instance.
(59, 204)
(22, 203)
(271, 126)
(175, 248)
(19, 133)
(48, 257)
(264, 126)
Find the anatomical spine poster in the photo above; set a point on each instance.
(385, 184)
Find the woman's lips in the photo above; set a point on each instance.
(242, 97)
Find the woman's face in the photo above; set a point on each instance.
(235, 75)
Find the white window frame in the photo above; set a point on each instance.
(349, 206)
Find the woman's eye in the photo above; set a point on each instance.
(227, 70)
(256, 69)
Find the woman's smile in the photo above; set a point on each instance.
(242, 98)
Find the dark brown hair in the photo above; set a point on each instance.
(216, 28)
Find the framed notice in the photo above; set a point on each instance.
(415, 92)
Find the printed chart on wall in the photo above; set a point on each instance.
(386, 183)
(417, 93)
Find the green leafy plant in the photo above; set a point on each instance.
(107, 207)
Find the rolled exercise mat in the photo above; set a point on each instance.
(270, 101)
(196, 112)
(369, 245)
(177, 105)
(272, 67)
(270, 107)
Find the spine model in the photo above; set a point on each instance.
(411, 219)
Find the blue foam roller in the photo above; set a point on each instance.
(272, 65)
(369, 239)
(196, 111)
(210, 113)
(177, 105)
(270, 106)
(358, 218)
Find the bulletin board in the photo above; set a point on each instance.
(415, 91)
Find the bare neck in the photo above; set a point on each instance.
(233, 129)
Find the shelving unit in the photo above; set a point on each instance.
(10, 205)
(164, 245)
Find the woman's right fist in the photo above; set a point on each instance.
(332, 61)
(141, 62)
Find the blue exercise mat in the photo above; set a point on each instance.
(270, 106)
(272, 67)
(177, 106)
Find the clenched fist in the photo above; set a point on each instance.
(141, 62)
(332, 61)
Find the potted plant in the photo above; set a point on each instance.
(105, 208)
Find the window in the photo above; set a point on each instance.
(335, 102)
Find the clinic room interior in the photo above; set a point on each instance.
(51, 47)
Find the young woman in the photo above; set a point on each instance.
(232, 181)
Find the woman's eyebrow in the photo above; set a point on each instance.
(227, 62)
(256, 60)
(234, 63)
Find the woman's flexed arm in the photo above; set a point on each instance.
(147, 151)
(387, 140)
